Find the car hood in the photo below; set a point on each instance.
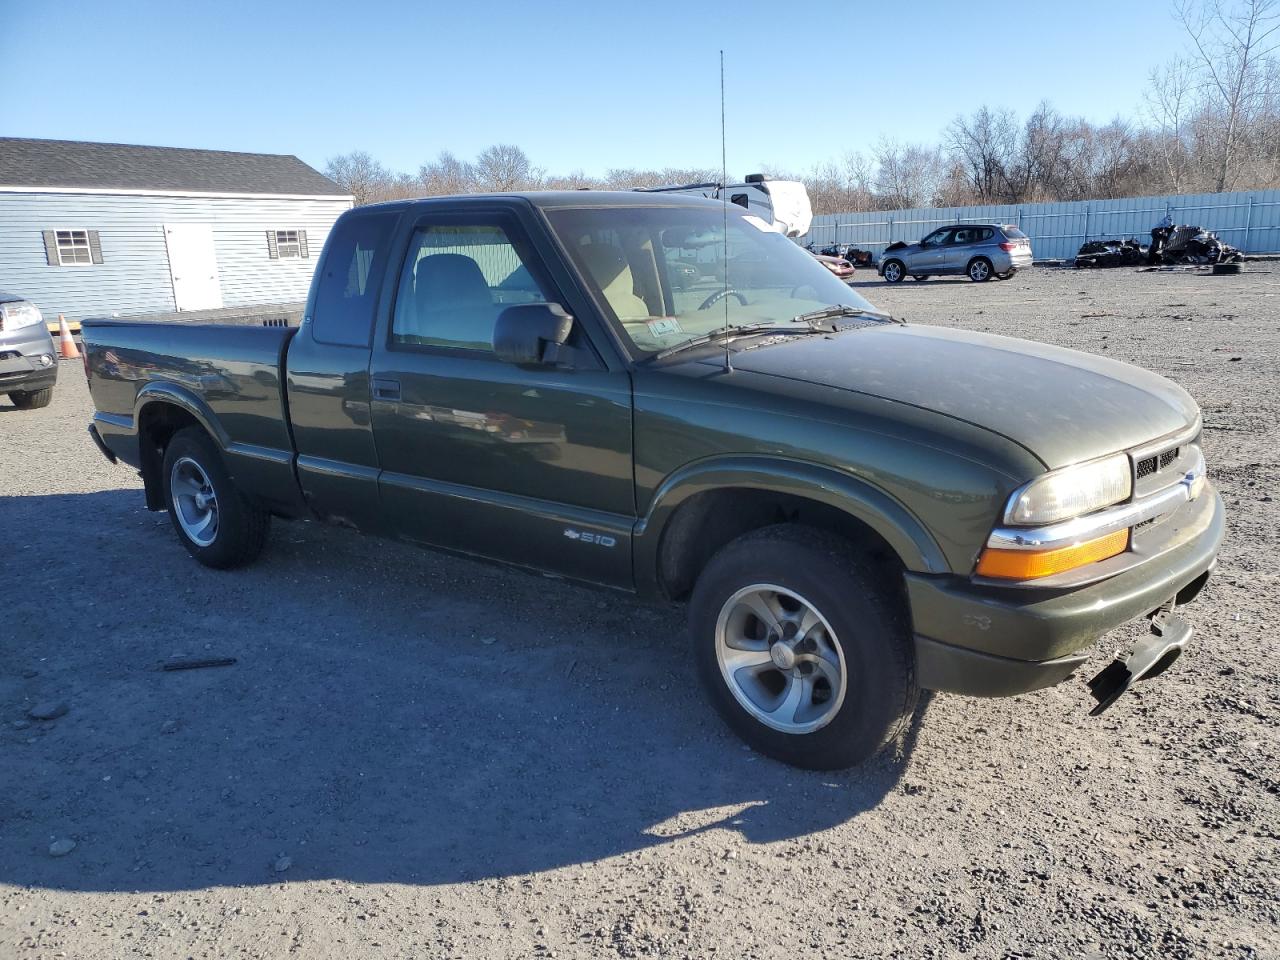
(1062, 405)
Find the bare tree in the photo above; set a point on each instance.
(1234, 45)
(907, 175)
(1169, 93)
(360, 175)
(631, 179)
(984, 144)
(446, 175)
(505, 166)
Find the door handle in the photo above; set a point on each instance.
(386, 389)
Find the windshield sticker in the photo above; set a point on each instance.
(758, 223)
(664, 326)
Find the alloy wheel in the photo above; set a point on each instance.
(780, 658)
(194, 501)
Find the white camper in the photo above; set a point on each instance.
(783, 204)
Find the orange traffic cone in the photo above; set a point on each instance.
(66, 346)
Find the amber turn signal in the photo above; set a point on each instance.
(1032, 564)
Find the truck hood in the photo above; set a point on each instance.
(1062, 405)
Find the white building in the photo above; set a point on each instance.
(95, 229)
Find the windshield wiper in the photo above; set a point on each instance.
(745, 330)
(838, 310)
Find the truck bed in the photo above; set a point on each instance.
(226, 376)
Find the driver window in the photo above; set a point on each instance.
(935, 239)
(455, 281)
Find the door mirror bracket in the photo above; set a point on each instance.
(533, 333)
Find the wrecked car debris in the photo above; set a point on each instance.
(1110, 253)
(1170, 246)
(1193, 244)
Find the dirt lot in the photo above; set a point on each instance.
(416, 756)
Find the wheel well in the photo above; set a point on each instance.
(708, 521)
(157, 424)
(978, 257)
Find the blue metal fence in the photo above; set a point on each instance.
(1249, 220)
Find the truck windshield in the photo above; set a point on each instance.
(670, 274)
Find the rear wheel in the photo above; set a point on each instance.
(979, 269)
(803, 647)
(31, 399)
(215, 521)
(893, 272)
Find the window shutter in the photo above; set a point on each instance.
(272, 250)
(95, 247)
(302, 243)
(51, 248)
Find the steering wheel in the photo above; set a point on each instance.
(720, 295)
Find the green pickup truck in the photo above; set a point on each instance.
(854, 509)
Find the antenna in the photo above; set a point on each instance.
(724, 203)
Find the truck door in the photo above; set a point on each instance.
(527, 464)
(328, 373)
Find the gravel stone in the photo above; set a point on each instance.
(48, 710)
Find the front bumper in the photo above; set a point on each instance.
(990, 641)
(21, 366)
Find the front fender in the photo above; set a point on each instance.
(907, 536)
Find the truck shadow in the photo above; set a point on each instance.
(392, 716)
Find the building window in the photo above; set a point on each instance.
(67, 248)
(287, 244)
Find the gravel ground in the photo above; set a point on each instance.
(416, 756)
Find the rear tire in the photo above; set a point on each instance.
(893, 271)
(979, 270)
(32, 399)
(823, 676)
(217, 524)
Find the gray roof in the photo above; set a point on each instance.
(107, 166)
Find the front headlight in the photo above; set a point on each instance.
(19, 314)
(1071, 492)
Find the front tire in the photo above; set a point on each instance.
(979, 270)
(31, 399)
(217, 524)
(893, 272)
(803, 646)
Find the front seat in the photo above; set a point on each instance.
(453, 302)
(608, 267)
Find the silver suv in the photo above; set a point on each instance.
(978, 250)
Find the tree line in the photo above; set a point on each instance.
(1210, 122)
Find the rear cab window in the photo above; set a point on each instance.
(350, 277)
(457, 277)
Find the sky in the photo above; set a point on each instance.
(580, 86)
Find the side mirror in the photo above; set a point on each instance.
(531, 333)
